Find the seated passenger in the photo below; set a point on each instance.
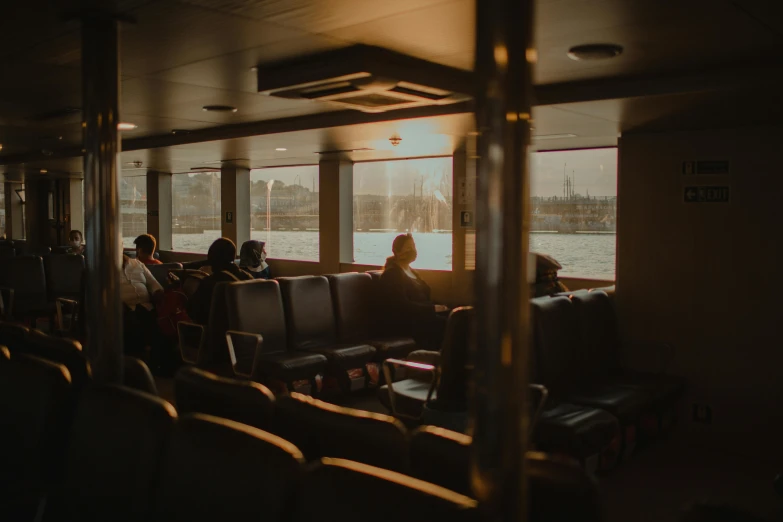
(145, 249)
(252, 258)
(407, 297)
(139, 290)
(75, 239)
(220, 258)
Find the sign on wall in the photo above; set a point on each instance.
(705, 194)
(705, 167)
(229, 217)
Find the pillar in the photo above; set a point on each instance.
(235, 203)
(159, 205)
(335, 219)
(504, 57)
(103, 227)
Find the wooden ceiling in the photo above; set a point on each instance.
(182, 54)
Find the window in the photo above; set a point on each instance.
(2, 211)
(284, 211)
(133, 206)
(394, 197)
(574, 210)
(195, 211)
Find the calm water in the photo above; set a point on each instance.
(582, 255)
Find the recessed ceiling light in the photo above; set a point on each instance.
(179, 132)
(1, 146)
(594, 52)
(281, 149)
(44, 171)
(554, 136)
(218, 108)
(126, 126)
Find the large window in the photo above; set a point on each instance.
(195, 211)
(574, 210)
(2, 211)
(394, 197)
(284, 211)
(133, 206)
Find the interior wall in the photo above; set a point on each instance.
(705, 276)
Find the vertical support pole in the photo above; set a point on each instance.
(235, 203)
(159, 208)
(504, 57)
(103, 234)
(335, 217)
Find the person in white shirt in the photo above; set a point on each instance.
(139, 291)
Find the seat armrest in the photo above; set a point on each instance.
(387, 365)
(543, 395)
(243, 347)
(191, 340)
(61, 302)
(6, 302)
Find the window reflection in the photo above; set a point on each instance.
(284, 211)
(133, 206)
(195, 211)
(392, 197)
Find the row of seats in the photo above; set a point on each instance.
(30, 285)
(594, 405)
(323, 430)
(299, 328)
(113, 453)
(18, 339)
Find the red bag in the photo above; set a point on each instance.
(171, 310)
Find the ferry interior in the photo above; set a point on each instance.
(626, 143)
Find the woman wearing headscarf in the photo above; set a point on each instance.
(220, 258)
(407, 296)
(252, 259)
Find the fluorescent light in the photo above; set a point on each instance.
(554, 136)
(281, 149)
(126, 126)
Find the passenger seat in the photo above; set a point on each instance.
(337, 488)
(321, 429)
(360, 318)
(312, 327)
(256, 307)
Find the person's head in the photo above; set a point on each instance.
(145, 246)
(221, 254)
(75, 238)
(252, 254)
(404, 249)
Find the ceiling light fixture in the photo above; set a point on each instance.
(126, 126)
(218, 108)
(43, 171)
(554, 136)
(179, 132)
(1, 146)
(594, 52)
(281, 149)
(395, 140)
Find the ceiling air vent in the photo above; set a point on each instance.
(366, 78)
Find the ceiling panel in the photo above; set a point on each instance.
(232, 71)
(438, 30)
(167, 34)
(315, 16)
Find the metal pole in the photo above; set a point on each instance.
(101, 92)
(504, 58)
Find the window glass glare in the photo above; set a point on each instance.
(394, 197)
(284, 211)
(133, 206)
(195, 211)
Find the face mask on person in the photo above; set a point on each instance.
(75, 243)
(407, 256)
(263, 257)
